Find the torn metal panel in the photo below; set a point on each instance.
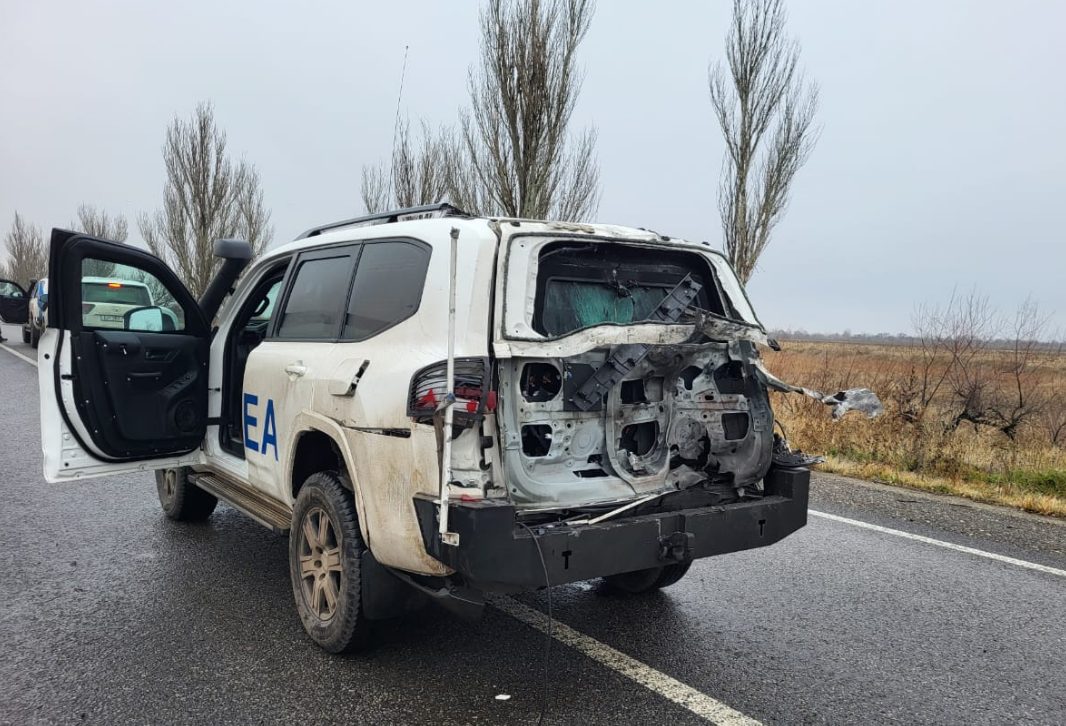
(787, 457)
(721, 329)
(684, 417)
(853, 399)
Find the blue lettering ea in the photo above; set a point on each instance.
(250, 422)
(270, 430)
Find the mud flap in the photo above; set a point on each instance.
(384, 594)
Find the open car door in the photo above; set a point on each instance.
(123, 363)
(14, 302)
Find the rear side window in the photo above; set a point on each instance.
(315, 303)
(387, 288)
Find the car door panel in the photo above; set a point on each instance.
(115, 399)
(14, 308)
(156, 381)
(272, 400)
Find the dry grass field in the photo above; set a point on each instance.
(990, 426)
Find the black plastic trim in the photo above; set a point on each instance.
(496, 554)
(441, 209)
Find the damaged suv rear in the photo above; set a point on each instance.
(633, 413)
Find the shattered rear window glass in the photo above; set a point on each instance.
(576, 305)
(580, 286)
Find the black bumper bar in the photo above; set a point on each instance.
(496, 554)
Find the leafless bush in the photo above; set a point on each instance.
(984, 386)
(1053, 418)
(1018, 398)
(207, 196)
(766, 113)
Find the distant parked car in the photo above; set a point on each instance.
(36, 318)
(105, 301)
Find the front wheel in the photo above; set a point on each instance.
(653, 578)
(35, 336)
(325, 552)
(25, 335)
(182, 500)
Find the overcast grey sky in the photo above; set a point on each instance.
(940, 164)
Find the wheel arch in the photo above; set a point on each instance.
(318, 444)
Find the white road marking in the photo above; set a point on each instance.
(670, 688)
(941, 543)
(15, 353)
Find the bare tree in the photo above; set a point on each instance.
(97, 223)
(26, 252)
(417, 174)
(515, 156)
(207, 196)
(766, 112)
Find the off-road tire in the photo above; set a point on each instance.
(654, 578)
(25, 335)
(182, 500)
(328, 561)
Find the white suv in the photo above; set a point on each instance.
(438, 405)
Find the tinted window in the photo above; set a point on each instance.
(387, 289)
(313, 309)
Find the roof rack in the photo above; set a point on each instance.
(426, 211)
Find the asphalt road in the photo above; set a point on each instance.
(111, 614)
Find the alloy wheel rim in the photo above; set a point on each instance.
(320, 564)
(170, 484)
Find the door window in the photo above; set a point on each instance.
(265, 307)
(316, 298)
(387, 288)
(10, 289)
(126, 298)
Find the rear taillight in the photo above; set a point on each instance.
(86, 308)
(429, 387)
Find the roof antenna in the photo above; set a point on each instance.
(396, 123)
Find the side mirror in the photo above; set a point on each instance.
(150, 320)
(33, 284)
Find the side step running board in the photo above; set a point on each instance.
(267, 511)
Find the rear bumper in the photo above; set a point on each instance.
(495, 554)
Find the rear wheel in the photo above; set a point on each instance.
(182, 500)
(653, 578)
(325, 553)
